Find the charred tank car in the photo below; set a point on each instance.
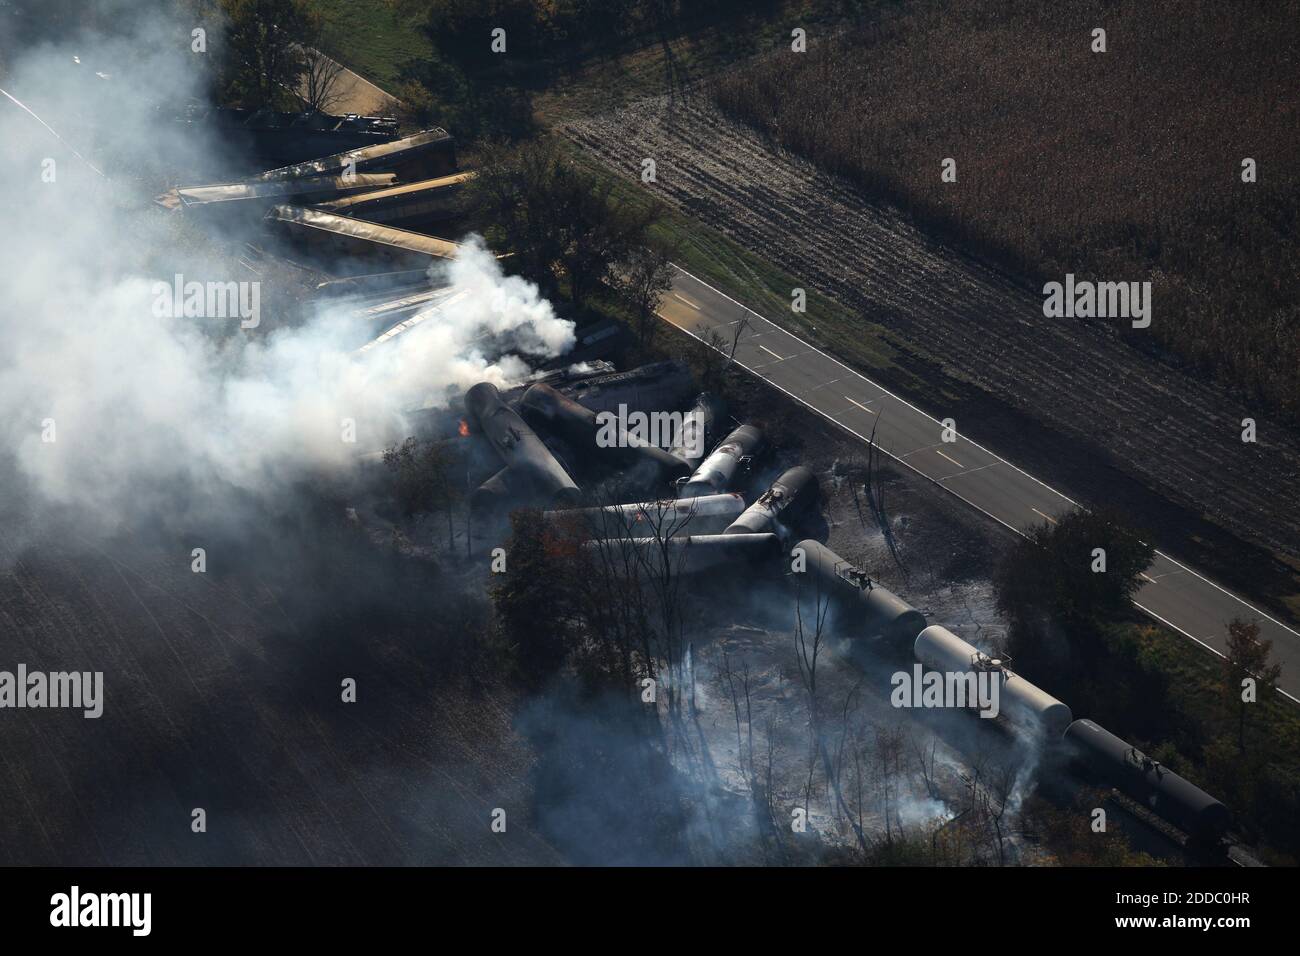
(860, 607)
(531, 472)
(1103, 757)
(544, 407)
(708, 514)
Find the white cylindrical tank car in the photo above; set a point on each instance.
(690, 442)
(1024, 704)
(691, 554)
(719, 469)
(789, 495)
(708, 514)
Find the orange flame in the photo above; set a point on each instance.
(463, 429)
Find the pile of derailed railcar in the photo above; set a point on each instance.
(564, 441)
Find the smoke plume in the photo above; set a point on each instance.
(109, 399)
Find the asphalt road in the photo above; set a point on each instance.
(1173, 594)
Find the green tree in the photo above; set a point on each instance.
(642, 283)
(263, 59)
(530, 598)
(1085, 567)
(562, 224)
(425, 479)
(1247, 660)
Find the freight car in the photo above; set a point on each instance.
(244, 204)
(531, 471)
(544, 407)
(1025, 705)
(718, 470)
(407, 206)
(788, 497)
(857, 603)
(346, 243)
(708, 514)
(1100, 755)
(690, 554)
(697, 427)
(423, 155)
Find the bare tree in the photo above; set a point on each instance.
(742, 325)
(738, 684)
(888, 751)
(320, 80)
(642, 282)
(926, 764)
(875, 489)
(809, 639)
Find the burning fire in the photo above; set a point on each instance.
(463, 429)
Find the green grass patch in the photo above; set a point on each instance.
(371, 38)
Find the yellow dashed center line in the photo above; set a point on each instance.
(687, 301)
(953, 460)
(770, 352)
(1048, 517)
(859, 404)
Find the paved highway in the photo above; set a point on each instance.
(1173, 593)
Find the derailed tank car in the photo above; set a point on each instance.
(718, 470)
(788, 497)
(1024, 704)
(708, 514)
(531, 471)
(691, 443)
(860, 605)
(1104, 757)
(691, 554)
(545, 407)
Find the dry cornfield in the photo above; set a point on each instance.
(1117, 166)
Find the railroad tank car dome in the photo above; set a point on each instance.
(870, 609)
(1024, 703)
(718, 470)
(787, 497)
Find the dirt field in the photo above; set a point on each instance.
(1063, 398)
(221, 691)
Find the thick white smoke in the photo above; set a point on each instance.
(105, 401)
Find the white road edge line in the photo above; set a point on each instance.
(936, 481)
(813, 348)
